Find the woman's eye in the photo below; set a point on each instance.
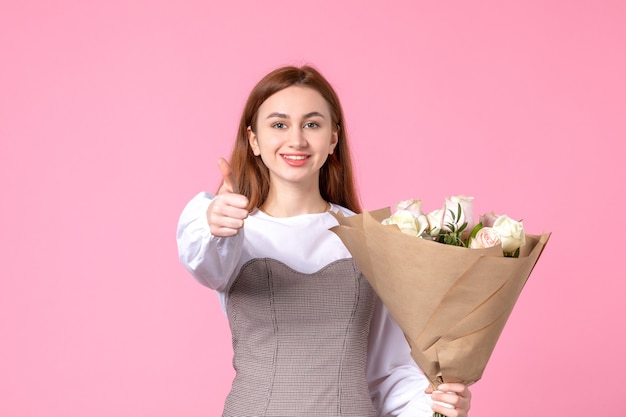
(311, 125)
(279, 125)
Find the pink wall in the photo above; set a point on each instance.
(113, 113)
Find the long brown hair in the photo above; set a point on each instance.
(336, 177)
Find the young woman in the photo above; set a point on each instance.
(310, 337)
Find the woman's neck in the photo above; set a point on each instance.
(293, 202)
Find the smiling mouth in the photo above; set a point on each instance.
(295, 157)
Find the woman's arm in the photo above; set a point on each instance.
(210, 259)
(397, 385)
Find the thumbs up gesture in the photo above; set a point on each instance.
(229, 208)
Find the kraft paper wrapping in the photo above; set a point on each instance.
(451, 302)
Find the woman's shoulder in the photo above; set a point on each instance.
(336, 208)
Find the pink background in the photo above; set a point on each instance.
(113, 114)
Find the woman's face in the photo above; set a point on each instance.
(294, 135)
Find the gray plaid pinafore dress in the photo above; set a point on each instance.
(299, 341)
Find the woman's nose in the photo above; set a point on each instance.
(297, 138)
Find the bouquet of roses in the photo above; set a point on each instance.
(448, 282)
(453, 225)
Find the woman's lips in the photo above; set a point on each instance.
(295, 160)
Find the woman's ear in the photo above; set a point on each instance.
(254, 144)
(334, 139)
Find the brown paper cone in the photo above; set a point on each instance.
(450, 302)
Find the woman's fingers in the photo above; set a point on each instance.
(452, 400)
(229, 183)
(229, 209)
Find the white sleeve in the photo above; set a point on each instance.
(211, 260)
(396, 383)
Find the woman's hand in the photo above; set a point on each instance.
(229, 209)
(455, 394)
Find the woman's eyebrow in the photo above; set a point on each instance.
(284, 116)
(314, 114)
(277, 115)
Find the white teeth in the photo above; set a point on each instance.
(295, 157)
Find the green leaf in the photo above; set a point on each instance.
(475, 230)
(452, 215)
(473, 234)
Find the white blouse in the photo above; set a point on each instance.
(305, 244)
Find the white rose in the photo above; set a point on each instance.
(486, 237)
(407, 222)
(414, 206)
(467, 216)
(435, 219)
(422, 224)
(511, 233)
